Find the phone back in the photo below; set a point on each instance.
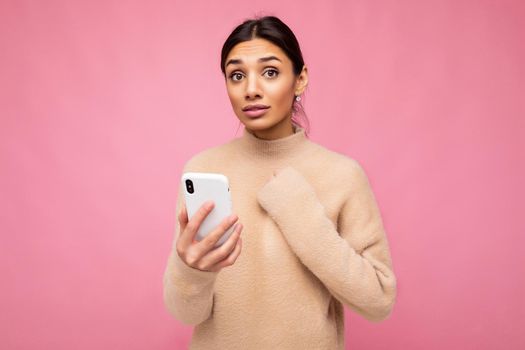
(201, 187)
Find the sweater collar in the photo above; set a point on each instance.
(287, 146)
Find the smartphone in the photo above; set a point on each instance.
(200, 187)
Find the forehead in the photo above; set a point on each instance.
(250, 51)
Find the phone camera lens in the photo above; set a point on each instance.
(189, 186)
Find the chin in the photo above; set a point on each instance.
(265, 122)
(257, 124)
(248, 122)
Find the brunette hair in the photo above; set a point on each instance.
(276, 31)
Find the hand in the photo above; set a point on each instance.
(203, 255)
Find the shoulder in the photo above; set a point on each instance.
(332, 169)
(346, 174)
(206, 159)
(338, 164)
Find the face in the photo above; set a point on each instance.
(258, 72)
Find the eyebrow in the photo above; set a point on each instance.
(262, 59)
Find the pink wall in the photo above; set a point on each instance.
(99, 105)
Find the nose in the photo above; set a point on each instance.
(252, 87)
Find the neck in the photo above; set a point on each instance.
(281, 148)
(278, 131)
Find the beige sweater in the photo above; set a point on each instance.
(313, 240)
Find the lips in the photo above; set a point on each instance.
(255, 107)
(255, 112)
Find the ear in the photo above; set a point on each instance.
(301, 81)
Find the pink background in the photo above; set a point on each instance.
(101, 103)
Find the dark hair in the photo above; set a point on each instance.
(274, 30)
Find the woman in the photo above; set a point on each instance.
(313, 237)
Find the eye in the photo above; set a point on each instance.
(233, 75)
(274, 72)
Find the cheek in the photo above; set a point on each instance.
(281, 90)
(233, 95)
(281, 94)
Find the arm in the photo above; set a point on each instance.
(188, 292)
(354, 264)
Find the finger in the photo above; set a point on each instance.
(208, 243)
(231, 259)
(183, 221)
(183, 218)
(220, 253)
(188, 235)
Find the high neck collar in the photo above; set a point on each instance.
(287, 146)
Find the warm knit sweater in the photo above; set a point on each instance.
(313, 240)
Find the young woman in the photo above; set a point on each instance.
(313, 238)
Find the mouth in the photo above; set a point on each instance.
(255, 112)
(254, 107)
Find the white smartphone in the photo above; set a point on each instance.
(200, 187)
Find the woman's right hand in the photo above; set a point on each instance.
(203, 255)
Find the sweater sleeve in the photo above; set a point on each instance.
(188, 292)
(353, 261)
